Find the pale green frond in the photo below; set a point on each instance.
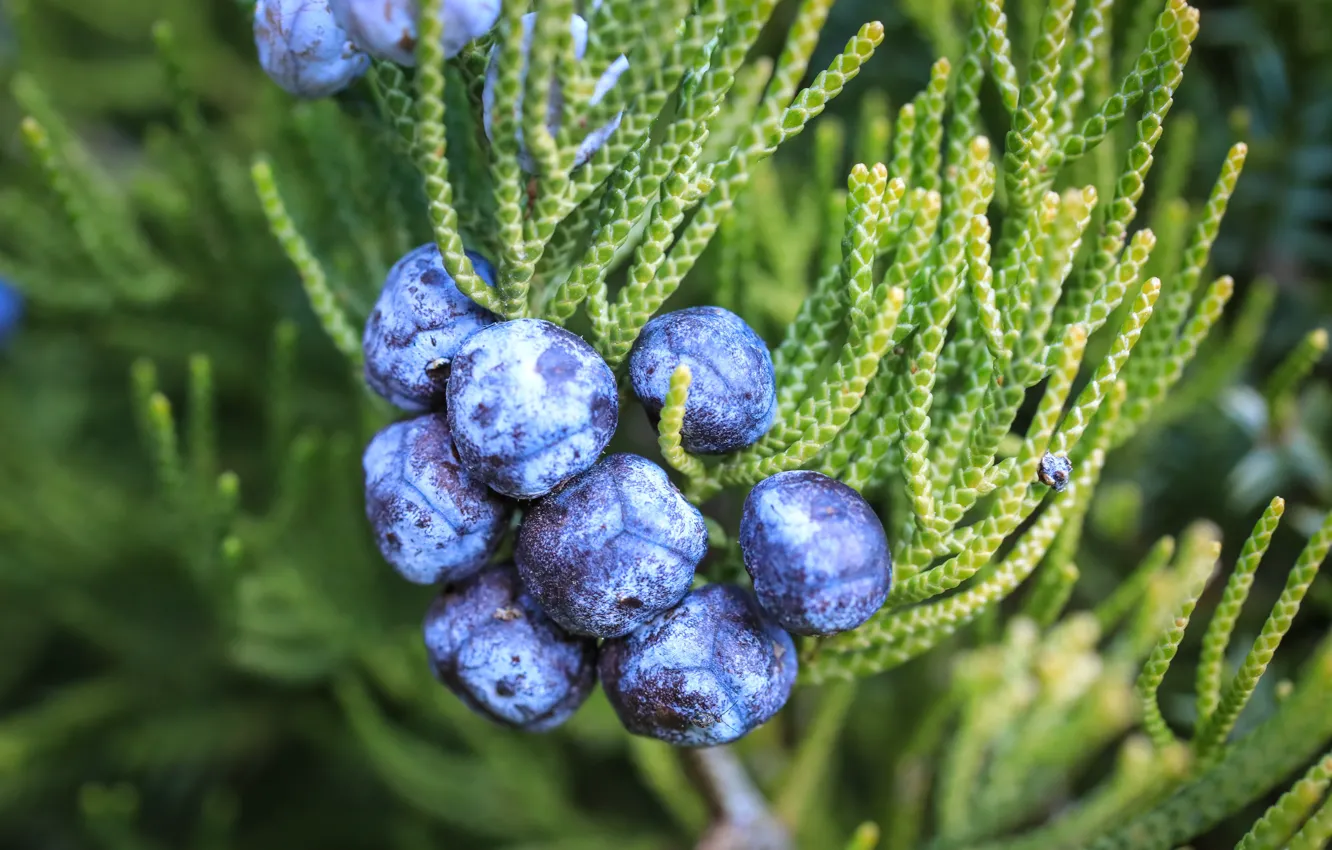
(927, 156)
(1126, 596)
(1212, 736)
(331, 315)
(1197, 558)
(1216, 642)
(1286, 378)
(435, 170)
(1005, 515)
(671, 422)
(1316, 832)
(763, 138)
(1276, 828)
(1000, 51)
(1243, 773)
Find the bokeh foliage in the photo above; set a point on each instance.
(204, 649)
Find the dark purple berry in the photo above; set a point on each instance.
(490, 643)
(612, 548)
(432, 520)
(732, 394)
(530, 405)
(703, 673)
(816, 551)
(417, 326)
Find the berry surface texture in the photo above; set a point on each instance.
(491, 644)
(530, 406)
(416, 327)
(816, 551)
(432, 520)
(388, 29)
(614, 547)
(302, 48)
(706, 672)
(733, 394)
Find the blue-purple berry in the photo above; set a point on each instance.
(732, 393)
(703, 673)
(612, 548)
(491, 645)
(1054, 471)
(387, 29)
(432, 520)
(417, 326)
(816, 551)
(302, 48)
(595, 138)
(11, 310)
(530, 405)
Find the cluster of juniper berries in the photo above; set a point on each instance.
(514, 416)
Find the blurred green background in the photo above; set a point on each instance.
(162, 687)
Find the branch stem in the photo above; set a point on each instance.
(741, 820)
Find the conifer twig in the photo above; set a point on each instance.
(741, 820)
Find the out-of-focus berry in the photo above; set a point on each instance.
(594, 139)
(302, 48)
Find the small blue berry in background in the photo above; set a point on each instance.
(530, 405)
(816, 551)
(703, 673)
(11, 311)
(612, 548)
(303, 49)
(732, 394)
(594, 139)
(491, 644)
(433, 522)
(387, 29)
(1054, 471)
(417, 325)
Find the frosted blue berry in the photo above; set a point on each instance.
(530, 405)
(816, 552)
(612, 548)
(303, 49)
(11, 311)
(1054, 471)
(594, 139)
(417, 325)
(732, 394)
(491, 644)
(703, 673)
(387, 29)
(432, 520)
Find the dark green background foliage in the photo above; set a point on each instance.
(163, 687)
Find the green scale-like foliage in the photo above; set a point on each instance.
(957, 311)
